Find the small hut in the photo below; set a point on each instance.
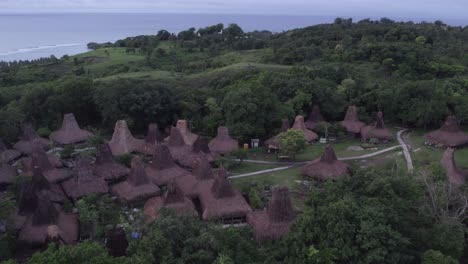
(24, 145)
(274, 223)
(325, 167)
(41, 160)
(163, 169)
(70, 132)
(153, 137)
(7, 174)
(351, 121)
(221, 201)
(223, 144)
(122, 141)
(455, 175)
(273, 143)
(299, 124)
(106, 167)
(201, 175)
(116, 242)
(84, 182)
(315, 118)
(173, 199)
(35, 231)
(138, 186)
(448, 136)
(377, 131)
(8, 155)
(180, 151)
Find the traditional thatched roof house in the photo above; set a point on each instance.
(174, 199)
(24, 145)
(201, 175)
(299, 124)
(187, 135)
(122, 141)
(315, 118)
(70, 132)
(8, 155)
(153, 137)
(449, 135)
(40, 184)
(223, 144)
(273, 143)
(273, 223)
(163, 169)
(351, 121)
(84, 182)
(180, 151)
(137, 187)
(45, 217)
(200, 147)
(27, 162)
(41, 160)
(116, 242)
(7, 174)
(377, 131)
(106, 167)
(325, 167)
(221, 201)
(454, 174)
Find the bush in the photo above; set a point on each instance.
(125, 159)
(254, 198)
(44, 132)
(67, 151)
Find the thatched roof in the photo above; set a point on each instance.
(180, 151)
(152, 138)
(138, 186)
(201, 175)
(8, 155)
(351, 121)
(315, 118)
(35, 229)
(84, 182)
(273, 143)
(116, 242)
(41, 160)
(449, 135)
(122, 141)
(299, 124)
(273, 223)
(27, 164)
(326, 167)
(106, 167)
(163, 169)
(189, 137)
(24, 145)
(39, 183)
(7, 174)
(454, 174)
(220, 200)
(223, 144)
(70, 132)
(377, 130)
(200, 147)
(174, 199)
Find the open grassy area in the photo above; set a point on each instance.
(246, 167)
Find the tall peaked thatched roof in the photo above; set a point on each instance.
(273, 223)
(163, 169)
(325, 167)
(377, 130)
(106, 167)
(351, 121)
(24, 145)
(45, 212)
(200, 147)
(152, 138)
(84, 182)
(70, 132)
(315, 118)
(122, 141)
(7, 174)
(41, 160)
(223, 143)
(202, 169)
(180, 151)
(27, 199)
(221, 186)
(201, 175)
(7, 155)
(299, 124)
(39, 183)
(188, 136)
(273, 142)
(449, 135)
(138, 187)
(454, 174)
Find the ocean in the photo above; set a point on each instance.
(32, 36)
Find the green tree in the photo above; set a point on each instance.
(254, 198)
(436, 257)
(292, 142)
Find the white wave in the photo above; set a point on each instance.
(25, 50)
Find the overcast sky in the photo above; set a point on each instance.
(440, 9)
